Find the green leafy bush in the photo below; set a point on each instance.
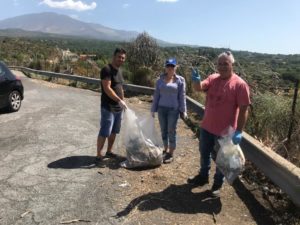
(143, 76)
(270, 117)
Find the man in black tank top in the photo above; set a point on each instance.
(112, 103)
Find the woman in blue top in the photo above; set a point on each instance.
(170, 102)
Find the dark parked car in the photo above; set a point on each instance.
(11, 89)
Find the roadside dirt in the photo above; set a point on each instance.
(162, 196)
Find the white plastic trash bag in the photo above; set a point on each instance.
(141, 141)
(230, 158)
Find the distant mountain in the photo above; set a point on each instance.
(31, 34)
(53, 23)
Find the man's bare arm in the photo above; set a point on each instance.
(106, 84)
(242, 117)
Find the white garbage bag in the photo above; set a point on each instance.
(230, 158)
(141, 141)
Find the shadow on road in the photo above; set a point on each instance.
(177, 199)
(85, 162)
(73, 162)
(259, 213)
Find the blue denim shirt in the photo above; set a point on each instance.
(169, 95)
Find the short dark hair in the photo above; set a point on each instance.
(119, 50)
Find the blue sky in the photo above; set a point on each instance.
(266, 26)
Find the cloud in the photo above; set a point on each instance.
(70, 4)
(125, 6)
(168, 1)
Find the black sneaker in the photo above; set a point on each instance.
(168, 158)
(164, 154)
(110, 155)
(215, 190)
(198, 180)
(99, 161)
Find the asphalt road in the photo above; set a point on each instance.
(48, 176)
(46, 158)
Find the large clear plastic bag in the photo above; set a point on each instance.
(141, 141)
(230, 158)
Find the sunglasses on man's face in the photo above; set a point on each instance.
(170, 66)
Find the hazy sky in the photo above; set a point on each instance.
(266, 26)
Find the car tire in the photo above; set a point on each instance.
(14, 101)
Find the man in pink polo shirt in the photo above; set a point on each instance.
(227, 101)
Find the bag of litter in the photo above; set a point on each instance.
(141, 141)
(230, 158)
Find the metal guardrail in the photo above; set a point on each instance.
(57, 75)
(283, 173)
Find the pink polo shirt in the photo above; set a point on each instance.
(223, 97)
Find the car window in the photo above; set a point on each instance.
(2, 71)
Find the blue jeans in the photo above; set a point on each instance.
(110, 122)
(168, 118)
(208, 148)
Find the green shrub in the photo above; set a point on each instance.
(127, 75)
(270, 116)
(143, 76)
